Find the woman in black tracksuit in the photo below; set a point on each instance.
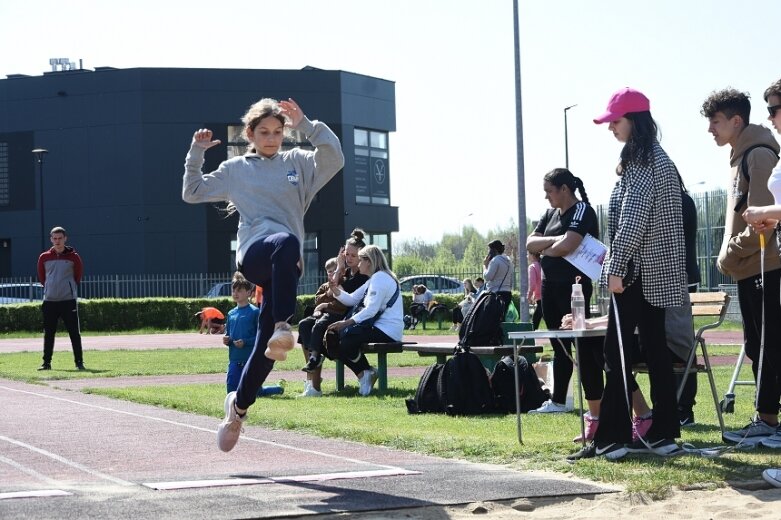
(560, 231)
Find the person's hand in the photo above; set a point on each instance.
(226, 340)
(334, 287)
(321, 307)
(202, 138)
(615, 284)
(339, 325)
(239, 343)
(487, 259)
(292, 111)
(566, 322)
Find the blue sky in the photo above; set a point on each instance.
(453, 157)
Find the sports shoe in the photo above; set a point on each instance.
(80, 366)
(774, 441)
(610, 450)
(591, 428)
(640, 427)
(751, 434)
(686, 418)
(231, 427)
(314, 363)
(366, 382)
(309, 391)
(772, 477)
(280, 343)
(550, 407)
(662, 447)
(588, 451)
(45, 366)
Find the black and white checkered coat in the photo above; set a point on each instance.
(645, 226)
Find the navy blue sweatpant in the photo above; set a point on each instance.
(271, 263)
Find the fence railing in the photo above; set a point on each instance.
(192, 285)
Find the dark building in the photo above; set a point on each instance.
(116, 141)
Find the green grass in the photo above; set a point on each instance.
(382, 418)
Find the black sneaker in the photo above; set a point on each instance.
(588, 451)
(686, 418)
(45, 366)
(661, 447)
(80, 366)
(610, 450)
(314, 363)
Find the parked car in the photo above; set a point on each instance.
(220, 290)
(21, 292)
(434, 283)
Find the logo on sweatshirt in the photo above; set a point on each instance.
(292, 177)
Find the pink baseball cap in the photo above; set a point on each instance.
(621, 103)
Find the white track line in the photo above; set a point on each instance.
(29, 471)
(191, 484)
(35, 494)
(193, 427)
(67, 462)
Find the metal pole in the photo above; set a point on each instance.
(523, 283)
(566, 138)
(39, 153)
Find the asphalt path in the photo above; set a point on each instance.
(68, 455)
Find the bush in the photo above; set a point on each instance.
(110, 314)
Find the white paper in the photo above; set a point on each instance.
(588, 257)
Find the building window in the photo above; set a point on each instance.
(314, 273)
(381, 240)
(372, 183)
(237, 145)
(5, 187)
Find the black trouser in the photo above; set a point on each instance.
(311, 331)
(750, 294)
(458, 315)
(537, 316)
(556, 302)
(615, 417)
(350, 346)
(68, 310)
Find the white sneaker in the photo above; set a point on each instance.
(772, 477)
(550, 407)
(366, 382)
(309, 391)
(231, 427)
(280, 343)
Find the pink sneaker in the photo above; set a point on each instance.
(640, 427)
(591, 428)
(280, 343)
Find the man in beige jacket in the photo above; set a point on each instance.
(754, 154)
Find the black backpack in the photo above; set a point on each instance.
(466, 388)
(503, 386)
(430, 395)
(483, 323)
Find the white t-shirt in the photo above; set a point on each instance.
(774, 183)
(378, 290)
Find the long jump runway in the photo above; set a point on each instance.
(66, 454)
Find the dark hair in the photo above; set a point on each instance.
(497, 246)
(773, 90)
(641, 141)
(730, 102)
(563, 177)
(239, 282)
(356, 238)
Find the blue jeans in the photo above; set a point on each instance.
(235, 368)
(271, 263)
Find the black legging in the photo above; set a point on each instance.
(350, 346)
(556, 302)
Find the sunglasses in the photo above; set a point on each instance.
(772, 110)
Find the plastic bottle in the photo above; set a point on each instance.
(578, 306)
(271, 390)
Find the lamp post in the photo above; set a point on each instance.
(39, 153)
(566, 141)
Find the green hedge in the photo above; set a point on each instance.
(109, 314)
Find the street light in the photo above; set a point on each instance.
(39, 153)
(566, 142)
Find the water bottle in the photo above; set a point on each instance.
(578, 306)
(271, 390)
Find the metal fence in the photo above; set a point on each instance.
(194, 285)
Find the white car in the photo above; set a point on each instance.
(21, 292)
(437, 284)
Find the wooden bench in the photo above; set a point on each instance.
(381, 350)
(486, 353)
(704, 304)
